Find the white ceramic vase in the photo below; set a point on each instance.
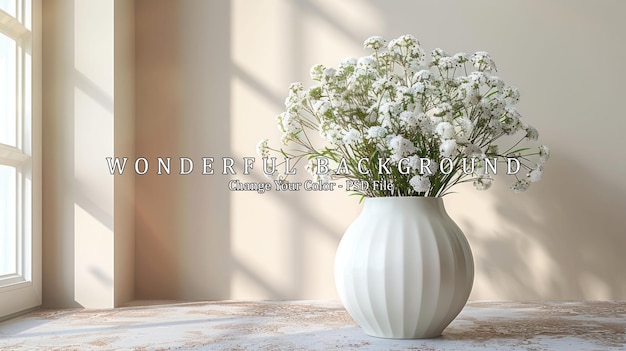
(403, 268)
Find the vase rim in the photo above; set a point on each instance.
(404, 200)
(427, 198)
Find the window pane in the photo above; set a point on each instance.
(8, 6)
(8, 104)
(28, 15)
(8, 221)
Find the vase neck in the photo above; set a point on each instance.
(409, 204)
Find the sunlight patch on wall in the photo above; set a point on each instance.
(93, 268)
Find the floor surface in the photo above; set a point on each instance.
(311, 325)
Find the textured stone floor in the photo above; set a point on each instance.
(311, 325)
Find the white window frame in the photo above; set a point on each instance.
(21, 290)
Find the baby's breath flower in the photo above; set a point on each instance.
(316, 72)
(367, 63)
(408, 40)
(422, 75)
(544, 154)
(413, 162)
(483, 182)
(477, 78)
(262, 148)
(353, 136)
(531, 133)
(400, 147)
(495, 82)
(474, 151)
(425, 124)
(445, 130)
(464, 127)
(511, 123)
(323, 177)
(470, 93)
(375, 132)
(447, 63)
(520, 186)
(420, 184)
(461, 57)
(437, 54)
(311, 166)
(348, 62)
(394, 45)
(296, 89)
(408, 119)
(483, 61)
(511, 94)
(443, 109)
(332, 132)
(535, 174)
(315, 93)
(374, 43)
(419, 87)
(393, 106)
(448, 148)
(328, 74)
(288, 123)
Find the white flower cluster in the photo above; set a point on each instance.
(399, 105)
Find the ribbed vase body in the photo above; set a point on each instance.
(404, 269)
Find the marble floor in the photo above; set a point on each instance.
(311, 325)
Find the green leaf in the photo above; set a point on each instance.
(518, 150)
(491, 94)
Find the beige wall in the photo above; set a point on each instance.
(88, 115)
(124, 145)
(211, 76)
(182, 95)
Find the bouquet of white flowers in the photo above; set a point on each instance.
(421, 126)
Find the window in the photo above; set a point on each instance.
(18, 162)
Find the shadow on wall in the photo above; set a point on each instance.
(563, 239)
(183, 73)
(299, 253)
